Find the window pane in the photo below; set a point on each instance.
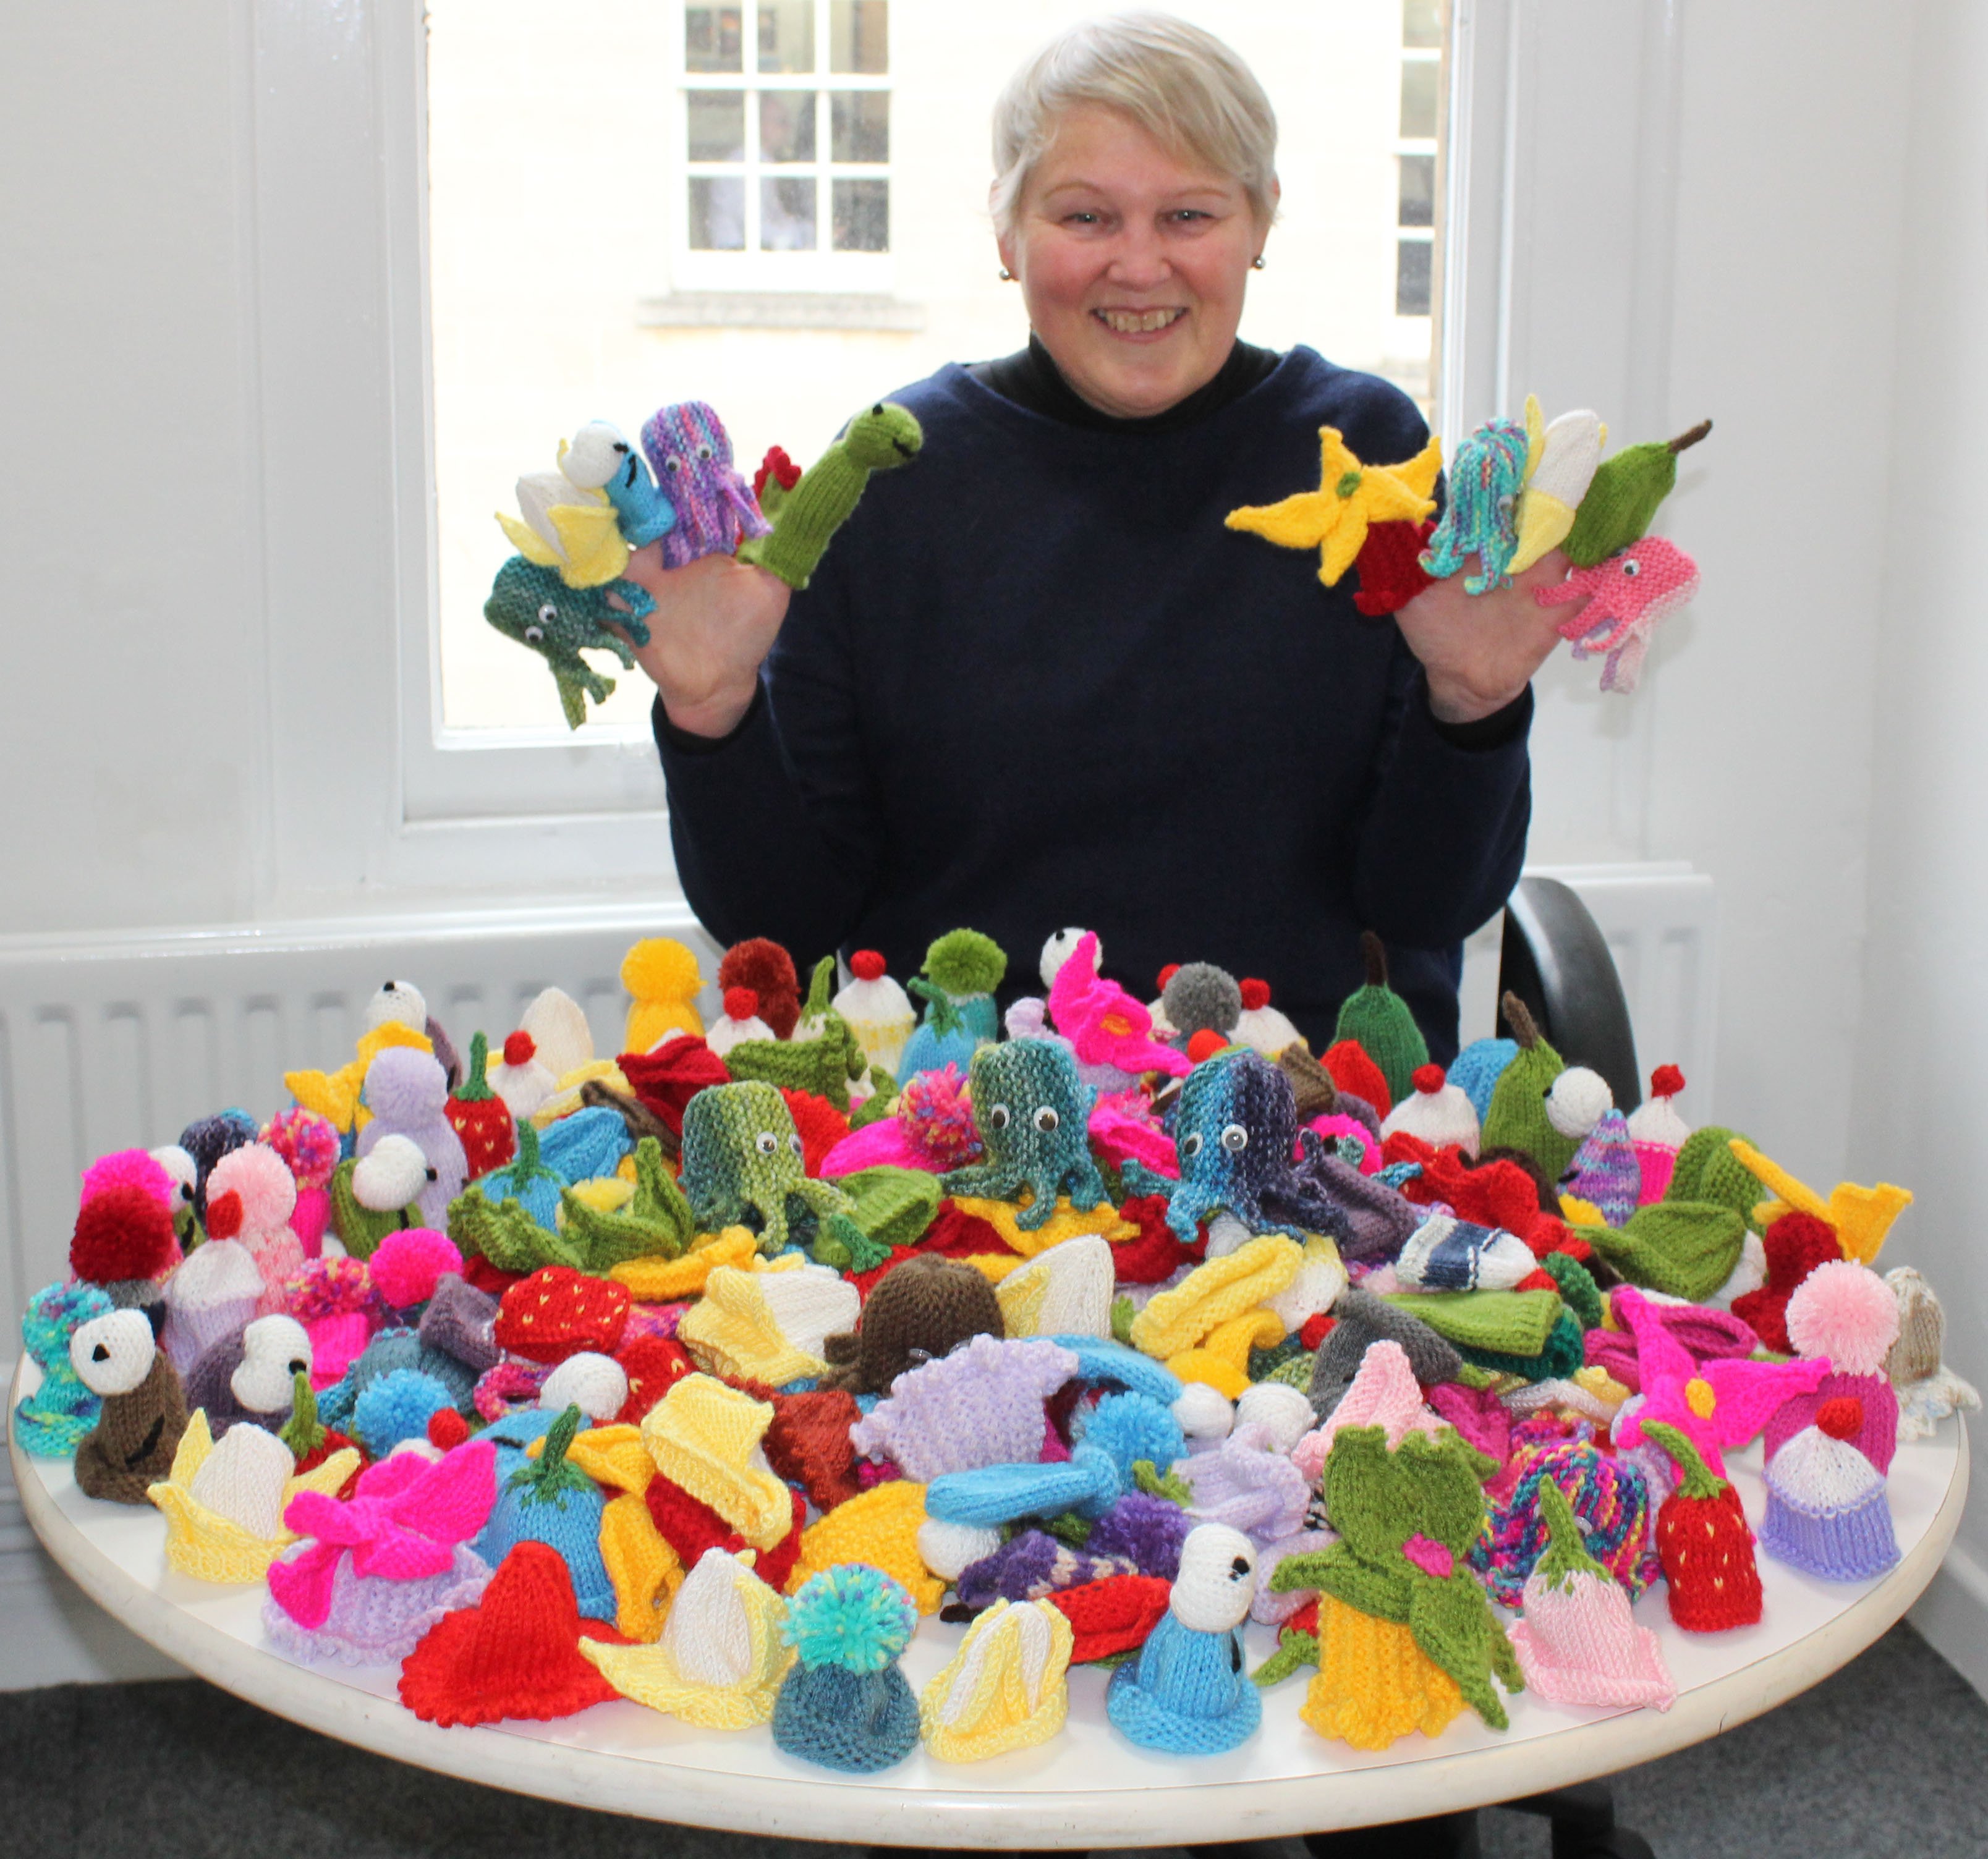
(1421, 22)
(859, 125)
(1419, 93)
(856, 35)
(862, 215)
(717, 125)
(786, 35)
(1417, 207)
(786, 125)
(713, 37)
(786, 215)
(1412, 277)
(717, 214)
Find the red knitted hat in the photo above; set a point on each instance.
(558, 1311)
(821, 1125)
(121, 1233)
(1795, 1245)
(690, 1527)
(515, 1653)
(1114, 1615)
(669, 1078)
(652, 1362)
(808, 1444)
(1357, 1075)
(1157, 1253)
(769, 971)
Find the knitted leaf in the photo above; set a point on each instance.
(1699, 1480)
(1566, 1554)
(1155, 1483)
(547, 1479)
(941, 1015)
(302, 1432)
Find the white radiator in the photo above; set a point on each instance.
(110, 1041)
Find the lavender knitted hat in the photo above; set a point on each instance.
(1826, 1510)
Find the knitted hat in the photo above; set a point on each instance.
(1199, 997)
(1437, 1111)
(123, 1232)
(919, 1310)
(877, 1011)
(1362, 1319)
(1578, 1643)
(1260, 1026)
(1704, 1544)
(1608, 1497)
(1655, 1119)
(1379, 1019)
(51, 1421)
(879, 1527)
(732, 1330)
(1796, 1244)
(207, 1139)
(704, 1437)
(1683, 1248)
(1605, 1171)
(461, 1322)
(1517, 1116)
(1186, 1693)
(845, 1704)
(1928, 1390)
(1004, 1689)
(1356, 1076)
(515, 1653)
(980, 1405)
(143, 1412)
(224, 1503)
(211, 1296)
(1384, 1394)
(1065, 1291)
(549, 1499)
(1447, 1254)
(557, 1312)
(1826, 1510)
(662, 978)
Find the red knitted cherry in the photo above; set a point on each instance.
(1841, 1417)
(1428, 1079)
(1666, 1081)
(1167, 974)
(520, 1049)
(224, 1215)
(447, 1428)
(1256, 995)
(867, 965)
(1204, 1044)
(741, 1003)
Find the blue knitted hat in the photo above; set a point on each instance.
(550, 1501)
(845, 1704)
(1186, 1692)
(51, 1422)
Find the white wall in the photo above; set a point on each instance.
(1803, 234)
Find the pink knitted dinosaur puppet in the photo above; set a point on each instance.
(1622, 598)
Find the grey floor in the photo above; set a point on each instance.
(1889, 1755)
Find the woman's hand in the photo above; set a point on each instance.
(715, 621)
(1479, 651)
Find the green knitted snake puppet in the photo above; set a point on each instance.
(805, 517)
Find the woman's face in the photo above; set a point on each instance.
(1132, 261)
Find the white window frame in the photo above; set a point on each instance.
(1405, 146)
(863, 273)
(373, 801)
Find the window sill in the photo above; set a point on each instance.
(773, 309)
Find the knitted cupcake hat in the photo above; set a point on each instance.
(1826, 1510)
(1436, 1111)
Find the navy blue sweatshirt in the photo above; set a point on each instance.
(1036, 683)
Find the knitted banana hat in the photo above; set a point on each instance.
(703, 1437)
(1005, 1689)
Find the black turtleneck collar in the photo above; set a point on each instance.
(1030, 378)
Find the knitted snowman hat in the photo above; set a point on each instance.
(1826, 1510)
(1438, 1112)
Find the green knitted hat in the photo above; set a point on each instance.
(963, 961)
(1686, 1248)
(1379, 1019)
(1509, 1323)
(1517, 1118)
(1707, 1170)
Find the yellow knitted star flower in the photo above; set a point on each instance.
(1334, 518)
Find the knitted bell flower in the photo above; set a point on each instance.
(1826, 1510)
(1384, 1393)
(51, 1422)
(1436, 1111)
(1186, 1693)
(845, 1704)
(1704, 1544)
(721, 1658)
(515, 1653)
(1844, 1311)
(1005, 1689)
(1578, 1643)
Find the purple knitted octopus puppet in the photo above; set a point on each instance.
(690, 452)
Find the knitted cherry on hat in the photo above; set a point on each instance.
(516, 1653)
(768, 970)
(123, 1233)
(1262, 1026)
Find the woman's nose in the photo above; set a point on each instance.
(1138, 258)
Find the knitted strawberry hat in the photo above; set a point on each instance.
(1437, 1111)
(515, 1653)
(557, 1312)
(1826, 1510)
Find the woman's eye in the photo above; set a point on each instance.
(998, 1118)
(767, 1142)
(1046, 1119)
(1236, 1139)
(1191, 1145)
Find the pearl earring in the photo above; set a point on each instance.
(1256, 263)
(1007, 276)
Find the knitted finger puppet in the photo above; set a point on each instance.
(1406, 1517)
(1844, 1313)
(1034, 1113)
(1578, 1643)
(1005, 1689)
(878, 1011)
(1861, 1216)
(601, 459)
(515, 1653)
(1390, 566)
(1622, 598)
(1566, 455)
(143, 1414)
(1623, 497)
(570, 526)
(1826, 1510)
(722, 1657)
(1607, 1494)
(1704, 1544)
(1486, 478)
(520, 1078)
(1606, 1172)
(808, 515)
(251, 1376)
(969, 967)
(1186, 1692)
(1234, 1132)
(741, 1165)
(1109, 1031)
(480, 1119)
(407, 1092)
(532, 605)
(690, 451)
(1334, 518)
(942, 1038)
(663, 980)
(845, 1704)
(1928, 1390)
(124, 1244)
(1517, 1116)
(52, 1421)
(921, 1311)
(380, 1569)
(1658, 1132)
(1380, 1020)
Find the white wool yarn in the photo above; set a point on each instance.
(595, 1383)
(1206, 1413)
(1575, 1104)
(1281, 1410)
(950, 1550)
(273, 1349)
(389, 1178)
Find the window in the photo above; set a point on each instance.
(1422, 39)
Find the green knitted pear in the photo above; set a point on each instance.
(1622, 498)
(1379, 1019)
(1517, 1118)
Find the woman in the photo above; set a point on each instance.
(1037, 682)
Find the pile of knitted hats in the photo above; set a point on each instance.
(708, 1373)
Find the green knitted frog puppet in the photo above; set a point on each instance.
(805, 518)
(1406, 1520)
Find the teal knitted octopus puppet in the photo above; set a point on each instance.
(742, 1166)
(531, 604)
(1034, 1116)
(1486, 478)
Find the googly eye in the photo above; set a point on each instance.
(704, 452)
(112, 1354)
(998, 1118)
(533, 634)
(1632, 568)
(548, 614)
(1046, 1119)
(794, 1143)
(1190, 1146)
(673, 465)
(1235, 1139)
(297, 1366)
(766, 1142)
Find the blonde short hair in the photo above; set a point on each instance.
(1182, 85)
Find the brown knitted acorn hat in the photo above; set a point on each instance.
(923, 1310)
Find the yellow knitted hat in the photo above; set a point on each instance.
(662, 978)
(1005, 1689)
(704, 1439)
(1212, 1293)
(732, 1331)
(670, 1281)
(879, 1526)
(1065, 1223)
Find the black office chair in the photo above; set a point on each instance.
(1556, 960)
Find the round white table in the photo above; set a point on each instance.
(1087, 1787)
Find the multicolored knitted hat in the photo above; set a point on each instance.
(51, 1421)
(1827, 1511)
(845, 1704)
(1609, 1500)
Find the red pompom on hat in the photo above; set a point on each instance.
(1116, 1614)
(1841, 1417)
(557, 1312)
(1357, 1075)
(1167, 974)
(123, 1233)
(1255, 994)
(669, 1078)
(1666, 1081)
(1429, 1080)
(515, 1653)
(447, 1429)
(1204, 1044)
(520, 1049)
(741, 1003)
(867, 965)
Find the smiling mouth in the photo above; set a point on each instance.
(1138, 322)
